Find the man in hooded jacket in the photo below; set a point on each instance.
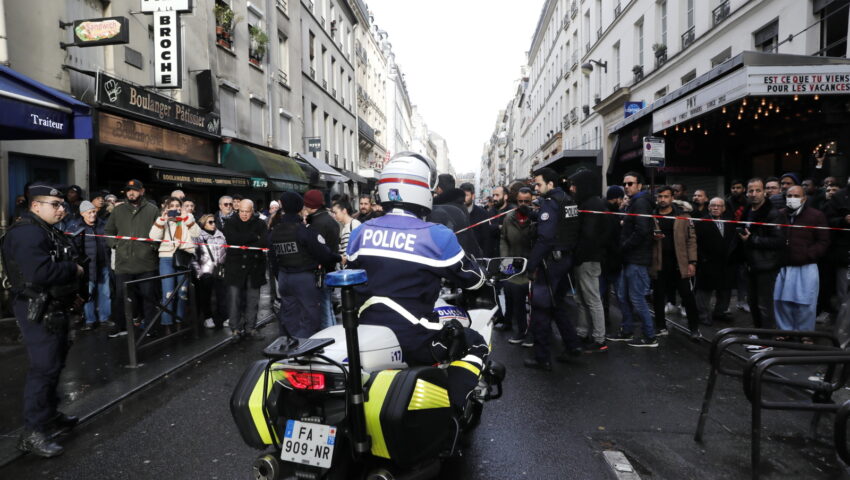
(588, 260)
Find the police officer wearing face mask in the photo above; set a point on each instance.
(43, 269)
(297, 253)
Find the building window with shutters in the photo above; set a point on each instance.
(258, 126)
(766, 39)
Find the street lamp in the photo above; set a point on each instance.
(587, 67)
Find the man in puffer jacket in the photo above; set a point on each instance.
(209, 268)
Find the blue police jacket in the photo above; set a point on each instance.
(547, 228)
(405, 258)
(30, 246)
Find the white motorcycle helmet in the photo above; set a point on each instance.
(406, 182)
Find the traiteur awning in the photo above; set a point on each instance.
(31, 110)
(326, 172)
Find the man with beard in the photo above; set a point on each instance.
(366, 211)
(133, 260)
(501, 204)
(737, 199)
(700, 204)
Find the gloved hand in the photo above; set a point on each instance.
(453, 338)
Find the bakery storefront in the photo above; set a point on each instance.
(165, 144)
(756, 114)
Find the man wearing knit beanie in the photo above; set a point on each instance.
(296, 250)
(320, 220)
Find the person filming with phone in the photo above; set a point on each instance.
(763, 250)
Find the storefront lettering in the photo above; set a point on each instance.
(201, 179)
(119, 95)
(46, 122)
(814, 83)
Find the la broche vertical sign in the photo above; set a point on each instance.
(166, 37)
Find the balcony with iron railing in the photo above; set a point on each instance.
(721, 12)
(312, 73)
(565, 24)
(573, 9)
(688, 37)
(327, 156)
(618, 9)
(586, 48)
(573, 115)
(598, 33)
(574, 60)
(325, 84)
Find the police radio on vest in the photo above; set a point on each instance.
(384, 239)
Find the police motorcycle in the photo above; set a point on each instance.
(323, 412)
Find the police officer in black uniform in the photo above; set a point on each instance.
(45, 274)
(549, 264)
(297, 252)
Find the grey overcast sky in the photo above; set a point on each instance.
(461, 59)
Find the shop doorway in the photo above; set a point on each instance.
(27, 168)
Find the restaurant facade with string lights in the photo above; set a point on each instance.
(756, 114)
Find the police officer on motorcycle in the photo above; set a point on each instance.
(297, 254)
(549, 265)
(405, 258)
(44, 271)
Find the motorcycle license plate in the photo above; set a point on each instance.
(308, 443)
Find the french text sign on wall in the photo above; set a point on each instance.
(166, 37)
(166, 40)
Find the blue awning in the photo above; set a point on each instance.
(31, 110)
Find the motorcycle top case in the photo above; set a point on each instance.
(408, 415)
(247, 406)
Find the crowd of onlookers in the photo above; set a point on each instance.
(177, 247)
(784, 277)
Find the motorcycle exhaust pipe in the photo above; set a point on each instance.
(266, 467)
(422, 472)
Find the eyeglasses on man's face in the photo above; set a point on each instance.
(55, 205)
(228, 204)
(210, 222)
(628, 184)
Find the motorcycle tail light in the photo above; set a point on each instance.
(305, 380)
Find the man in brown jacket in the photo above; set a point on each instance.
(674, 260)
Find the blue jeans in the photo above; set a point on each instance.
(99, 306)
(166, 266)
(635, 287)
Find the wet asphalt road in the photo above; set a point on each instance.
(555, 425)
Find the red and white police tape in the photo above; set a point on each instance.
(153, 240)
(644, 215)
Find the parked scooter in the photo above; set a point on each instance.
(330, 414)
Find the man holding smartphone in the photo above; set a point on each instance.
(763, 247)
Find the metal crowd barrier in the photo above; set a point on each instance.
(136, 345)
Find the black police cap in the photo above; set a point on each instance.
(44, 190)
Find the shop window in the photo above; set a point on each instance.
(689, 76)
(833, 29)
(767, 38)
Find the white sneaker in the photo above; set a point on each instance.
(208, 323)
(682, 312)
(226, 323)
(669, 308)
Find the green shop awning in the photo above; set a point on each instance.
(279, 171)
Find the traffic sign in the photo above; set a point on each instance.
(653, 152)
